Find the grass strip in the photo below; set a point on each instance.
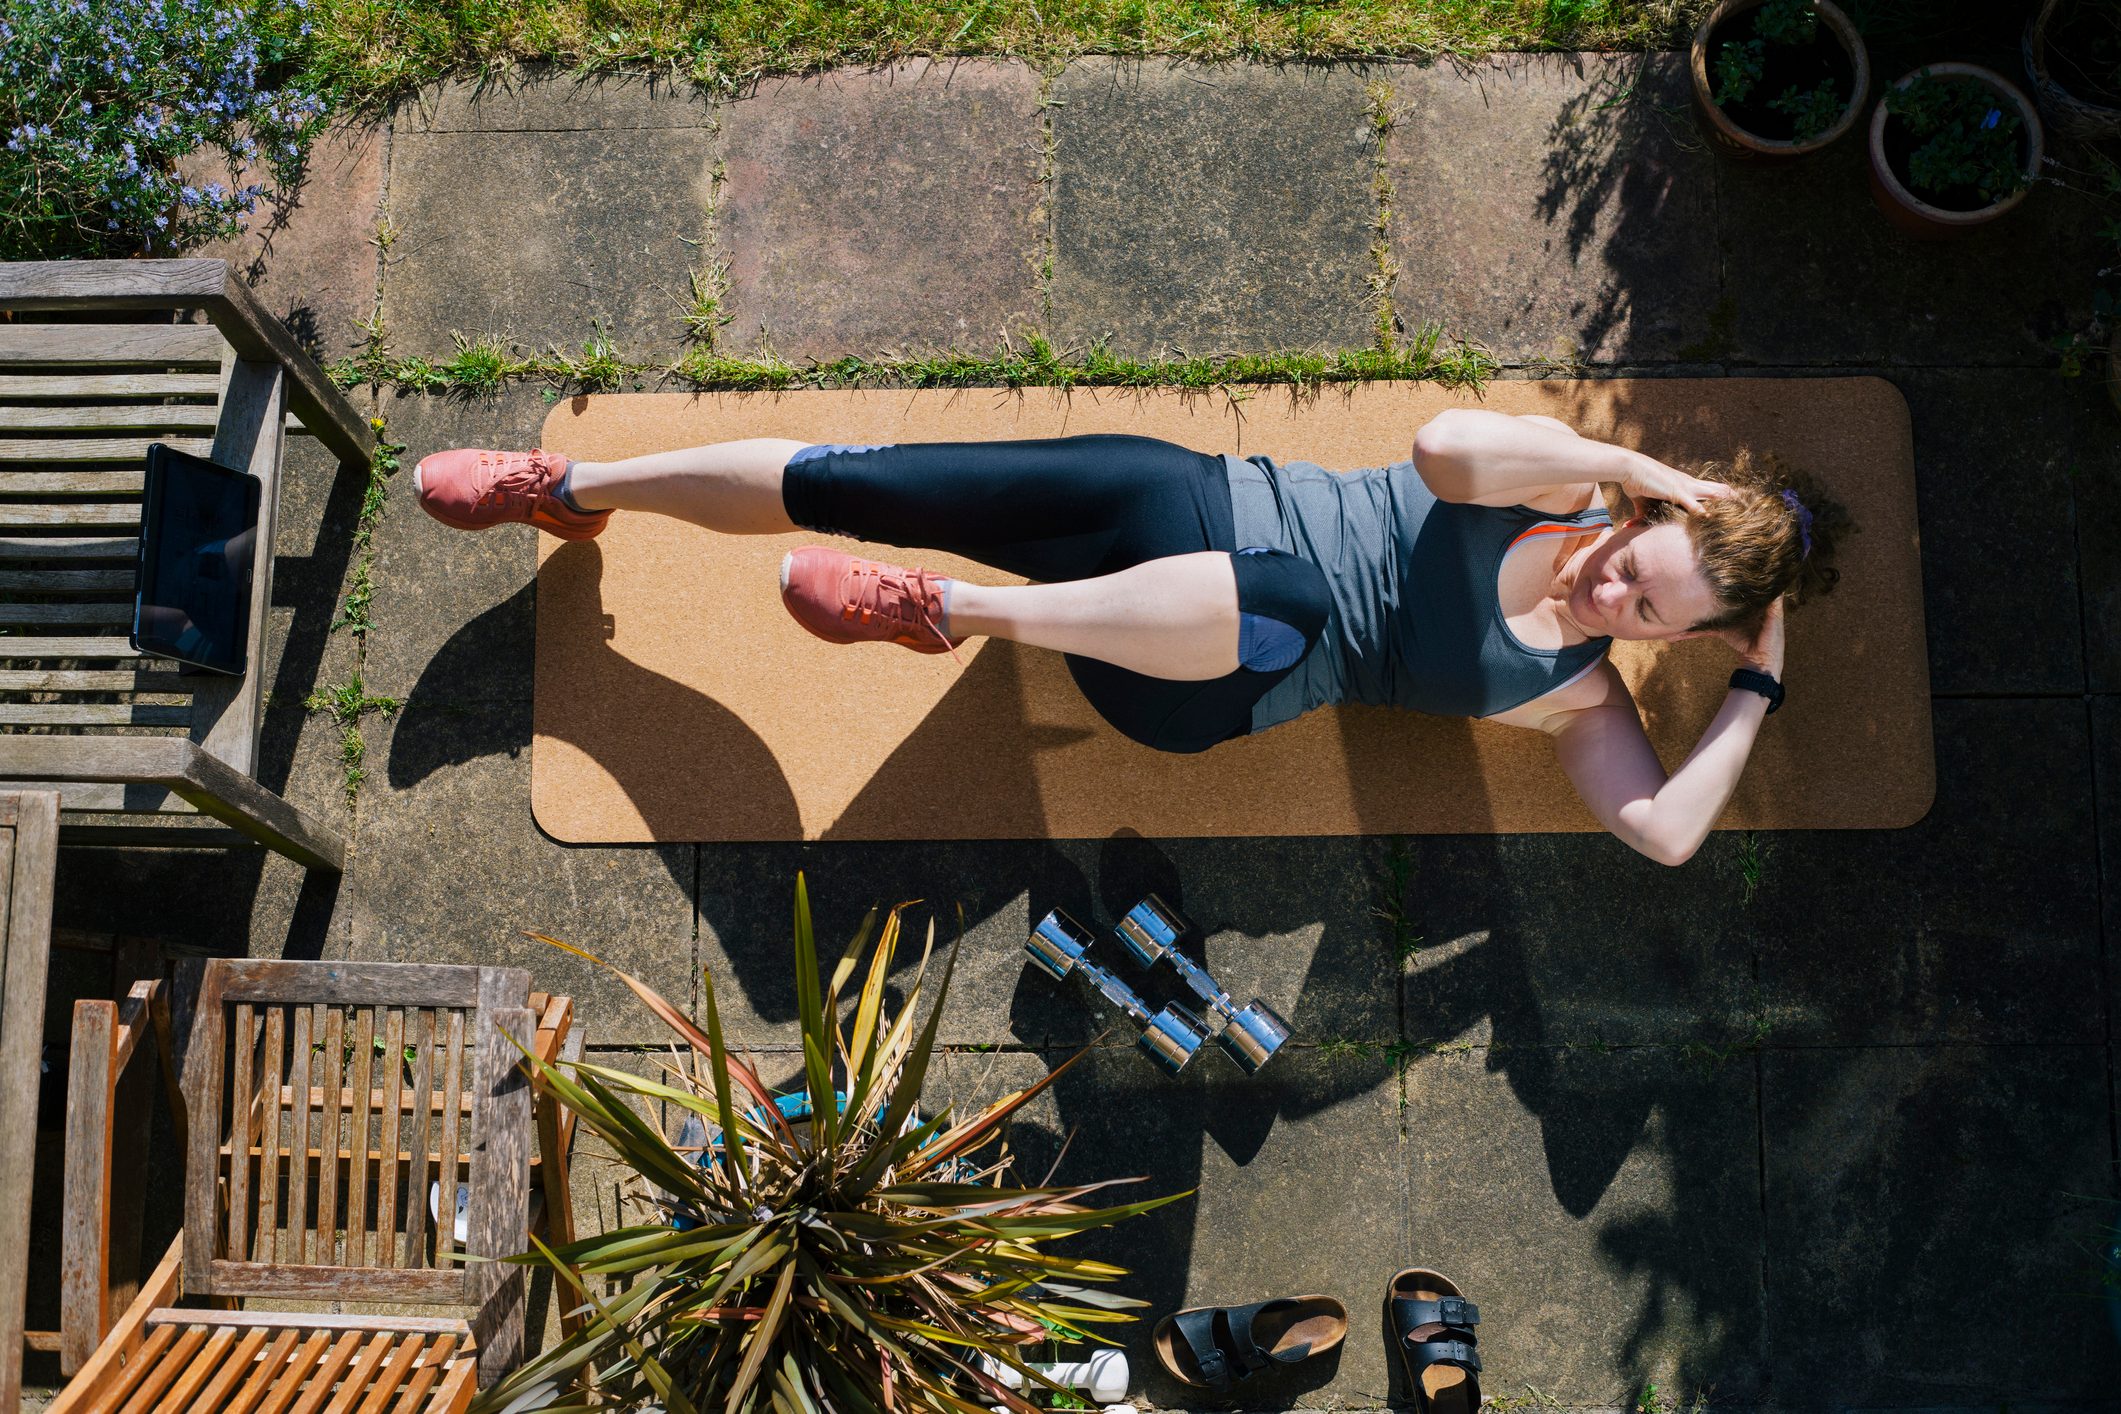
(487, 363)
(367, 51)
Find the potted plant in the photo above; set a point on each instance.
(1777, 78)
(866, 1258)
(1953, 146)
(2073, 57)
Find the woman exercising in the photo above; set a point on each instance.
(1199, 598)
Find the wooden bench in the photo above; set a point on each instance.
(322, 1102)
(131, 743)
(29, 850)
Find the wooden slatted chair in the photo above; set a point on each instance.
(327, 1106)
(128, 742)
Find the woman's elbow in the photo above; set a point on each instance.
(1672, 856)
(1437, 439)
(1642, 832)
(1668, 852)
(1440, 454)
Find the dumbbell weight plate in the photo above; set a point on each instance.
(1058, 943)
(1172, 1036)
(1253, 1036)
(1150, 929)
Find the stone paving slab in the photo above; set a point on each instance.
(594, 225)
(1981, 923)
(1540, 940)
(882, 209)
(1554, 206)
(2093, 463)
(449, 868)
(453, 609)
(1210, 209)
(1995, 452)
(1261, 1153)
(2105, 714)
(310, 255)
(1285, 921)
(1594, 1205)
(1872, 295)
(747, 911)
(1804, 254)
(538, 98)
(1908, 1190)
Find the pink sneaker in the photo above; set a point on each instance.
(472, 488)
(843, 599)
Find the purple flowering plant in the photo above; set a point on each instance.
(103, 101)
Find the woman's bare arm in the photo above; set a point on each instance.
(1606, 756)
(1493, 459)
(1599, 740)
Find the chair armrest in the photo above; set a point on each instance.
(106, 1038)
(209, 285)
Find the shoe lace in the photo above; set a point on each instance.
(517, 480)
(900, 595)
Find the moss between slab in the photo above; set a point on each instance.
(348, 702)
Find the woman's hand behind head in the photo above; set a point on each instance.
(1650, 479)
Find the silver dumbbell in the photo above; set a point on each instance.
(1251, 1034)
(1058, 945)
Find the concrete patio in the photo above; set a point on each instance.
(1848, 1144)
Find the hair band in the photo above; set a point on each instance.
(1804, 520)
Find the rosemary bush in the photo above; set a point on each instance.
(102, 101)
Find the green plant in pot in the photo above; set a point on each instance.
(870, 1258)
(1777, 78)
(1953, 146)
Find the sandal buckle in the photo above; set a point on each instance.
(1457, 1311)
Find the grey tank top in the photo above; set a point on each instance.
(1416, 620)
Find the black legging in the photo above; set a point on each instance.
(1071, 508)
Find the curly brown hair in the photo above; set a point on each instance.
(1752, 546)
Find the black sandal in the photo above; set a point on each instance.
(1210, 1347)
(1433, 1325)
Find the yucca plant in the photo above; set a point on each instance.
(869, 1259)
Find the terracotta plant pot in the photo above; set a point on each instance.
(1733, 140)
(1916, 216)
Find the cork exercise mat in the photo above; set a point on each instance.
(677, 701)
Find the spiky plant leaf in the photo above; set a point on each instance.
(860, 1262)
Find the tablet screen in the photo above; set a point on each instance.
(198, 532)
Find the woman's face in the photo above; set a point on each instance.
(1642, 581)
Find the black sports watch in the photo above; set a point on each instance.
(1753, 680)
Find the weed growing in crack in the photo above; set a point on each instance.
(479, 365)
(1399, 924)
(1384, 269)
(346, 704)
(1752, 863)
(705, 318)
